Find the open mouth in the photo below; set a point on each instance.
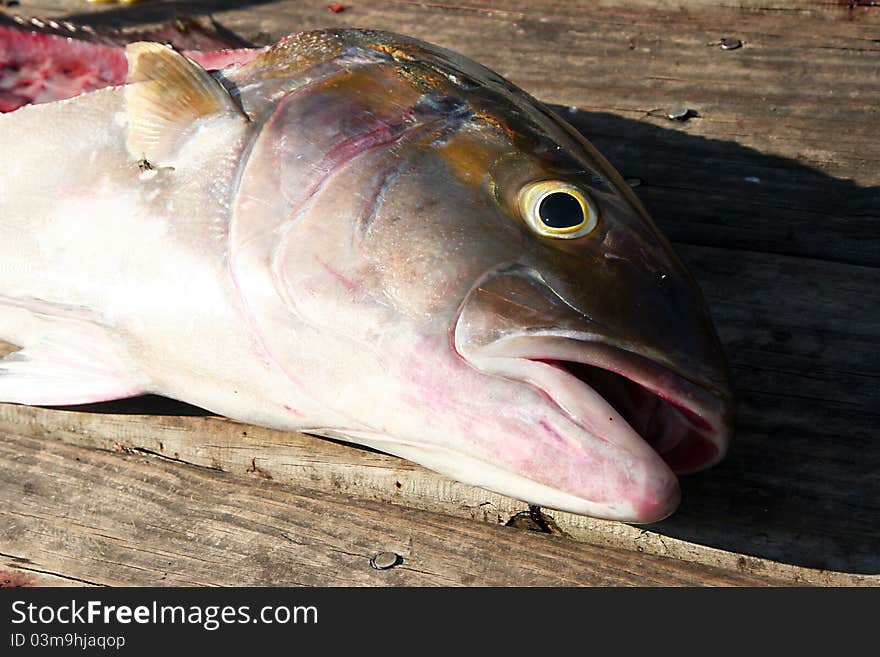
(621, 396)
(620, 417)
(674, 417)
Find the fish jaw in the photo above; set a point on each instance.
(498, 424)
(632, 416)
(646, 403)
(532, 431)
(519, 423)
(648, 493)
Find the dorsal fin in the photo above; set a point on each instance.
(166, 94)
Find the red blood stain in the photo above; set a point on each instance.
(291, 409)
(10, 579)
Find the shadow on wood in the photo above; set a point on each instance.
(131, 16)
(800, 325)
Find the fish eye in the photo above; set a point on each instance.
(557, 209)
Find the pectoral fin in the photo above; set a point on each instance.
(166, 96)
(72, 362)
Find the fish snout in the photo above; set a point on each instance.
(619, 390)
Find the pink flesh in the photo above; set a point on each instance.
(673, 431)
(219, 59)
(40, 68)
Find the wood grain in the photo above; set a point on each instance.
(141, 521)
(772, 197)
(307, 462)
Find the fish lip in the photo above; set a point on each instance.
(707, 409)
(489, 474)
(462, 466)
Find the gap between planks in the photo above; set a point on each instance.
(80, 515)
(260, 455)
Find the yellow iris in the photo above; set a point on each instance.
(557, 209)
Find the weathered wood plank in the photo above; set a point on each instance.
(130, 520)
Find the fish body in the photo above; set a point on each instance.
(364, 236)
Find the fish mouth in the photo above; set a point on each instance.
(651, 422)
(686, 424)
(621, 410)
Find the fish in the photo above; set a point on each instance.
(364, 236)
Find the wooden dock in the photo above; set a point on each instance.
(771, 194)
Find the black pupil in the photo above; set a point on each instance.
(561, 210)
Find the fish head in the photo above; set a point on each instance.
(473, 287)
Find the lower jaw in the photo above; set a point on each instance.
(487, 475)
(684, 423)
